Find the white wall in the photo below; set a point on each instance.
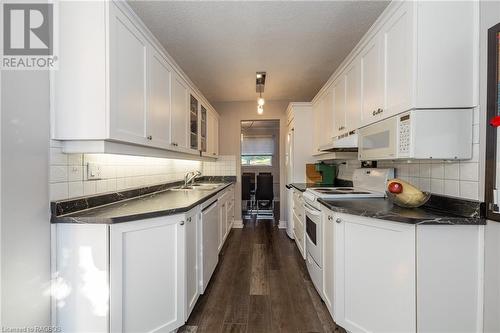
(25, 229)
(231, 115)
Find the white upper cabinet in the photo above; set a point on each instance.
(203, 129)
(128, 86)
(418, 55)
(316, 115)
(194, 110)
(371, 81)
(180, 109)
(212, 133)
(116, 89)
(353, 96)
(325, 117)
(397, 36)
(339, 107)
(158, 122)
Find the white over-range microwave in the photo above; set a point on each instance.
(419, 134)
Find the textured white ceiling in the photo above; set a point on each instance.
(220, 45)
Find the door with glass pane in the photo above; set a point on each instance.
(193, 116)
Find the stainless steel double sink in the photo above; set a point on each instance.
(198, 187)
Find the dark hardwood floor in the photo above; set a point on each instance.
(260, 285)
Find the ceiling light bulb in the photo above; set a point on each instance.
(260, 109)
(261, 101)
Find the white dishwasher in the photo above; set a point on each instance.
(210, 241)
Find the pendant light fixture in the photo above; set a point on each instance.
(260, 82)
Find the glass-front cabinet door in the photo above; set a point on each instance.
(203, 129)
(193, 115)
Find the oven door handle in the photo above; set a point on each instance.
(311, 210)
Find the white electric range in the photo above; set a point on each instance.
(367, 183)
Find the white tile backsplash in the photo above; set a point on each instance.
(68, 172)
(75, 189)
(452, 171)
(452, 187)
(224, 166)
(469, 171)
(437, 186)
(437, 171)
(469, 189)
(453, 178)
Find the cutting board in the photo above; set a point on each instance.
(312, 176)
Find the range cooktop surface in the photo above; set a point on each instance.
(339, 190)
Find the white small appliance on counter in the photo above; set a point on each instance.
(419, 134)
(367, 183)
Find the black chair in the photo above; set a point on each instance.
(251, 175)
(248, 189)
(264, 195)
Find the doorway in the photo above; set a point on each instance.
(260, 169)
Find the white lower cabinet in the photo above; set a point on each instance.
(384, 276)
(328, 259)
(193, 257)
(374, 275)
(226, 214)
(222, 222)
(299, 221)
(147, 275)
(137, 276)
(124, 277)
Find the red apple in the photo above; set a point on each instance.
(395, 187)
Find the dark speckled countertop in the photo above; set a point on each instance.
(160, 203)
(437, 211)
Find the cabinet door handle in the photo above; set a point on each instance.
(338, 220)
(181, 222)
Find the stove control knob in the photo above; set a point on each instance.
(338, 220)
(329, 218)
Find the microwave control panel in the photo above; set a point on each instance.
(404, 135)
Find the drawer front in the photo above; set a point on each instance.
(298, 226)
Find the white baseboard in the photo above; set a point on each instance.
(237, 224)
(282, 224)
